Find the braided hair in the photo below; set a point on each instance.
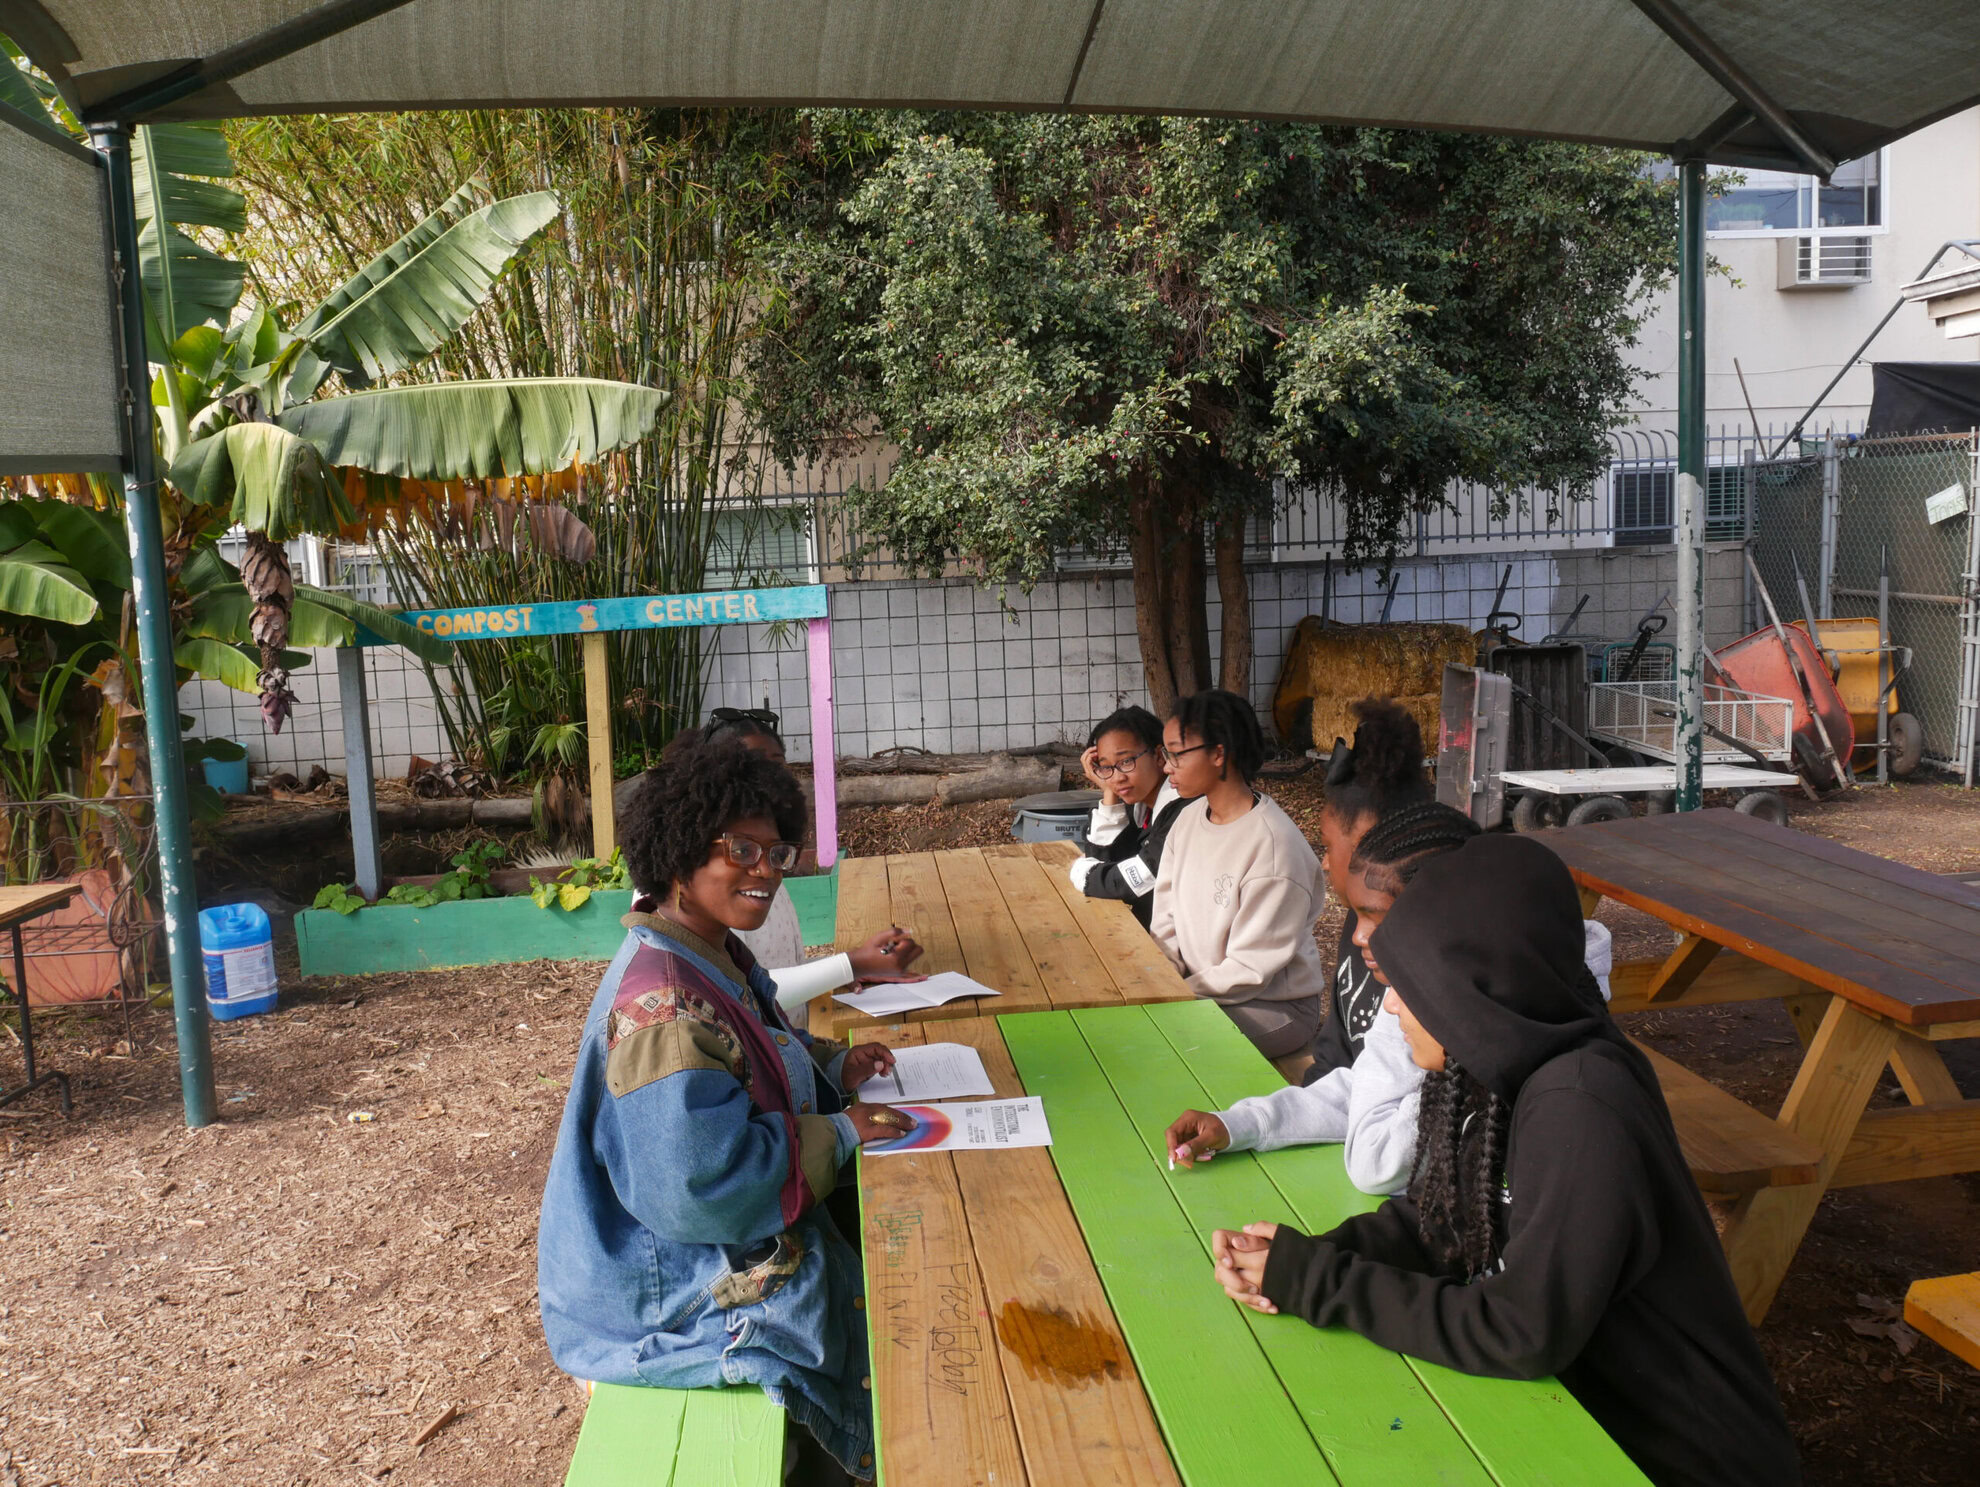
(1461, 1127)
(1224, 719)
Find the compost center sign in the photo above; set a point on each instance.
(595, 616)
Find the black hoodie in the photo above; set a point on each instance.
(1611, 1273)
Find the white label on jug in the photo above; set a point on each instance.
(249, 972)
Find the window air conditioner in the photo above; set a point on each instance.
(1824, 262)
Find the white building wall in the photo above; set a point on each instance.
(1790, 342)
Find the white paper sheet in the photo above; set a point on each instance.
(929, 1071)
(915, 996)
(989, 1126)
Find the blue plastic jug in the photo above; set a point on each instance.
(238, 945)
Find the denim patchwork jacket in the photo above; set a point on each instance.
(681, 1243)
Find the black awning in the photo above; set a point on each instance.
(1924, 397)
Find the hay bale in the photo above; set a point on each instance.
(1330, 667)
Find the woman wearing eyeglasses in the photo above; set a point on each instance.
(1121, 847)
(684, 1241)
(1239, 888)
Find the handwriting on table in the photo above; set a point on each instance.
(929, 1308)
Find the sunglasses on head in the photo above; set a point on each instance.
(734, 715)
(745, 852)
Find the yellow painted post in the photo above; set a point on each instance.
(598, 728)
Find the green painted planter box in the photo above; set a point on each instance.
(816, 899)
(478, 932)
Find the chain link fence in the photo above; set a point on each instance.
(1851, 516)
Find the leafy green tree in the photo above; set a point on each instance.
(1119, 331)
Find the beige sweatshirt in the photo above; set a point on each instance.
(1235, 905)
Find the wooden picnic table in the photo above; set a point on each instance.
(20, 902)
(1049, 1316)
(1875, 962)
(1007, 916)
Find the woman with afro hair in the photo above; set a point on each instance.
(1552, 1225)
(684, 1241)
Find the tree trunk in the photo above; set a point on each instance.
(1188, 613)
(1150, 608)
(1234, 589)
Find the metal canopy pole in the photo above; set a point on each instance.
(153, 604)
(1691, 486)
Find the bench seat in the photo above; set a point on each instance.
(678, 1438)
(1731, 1148)
(1947, 1310)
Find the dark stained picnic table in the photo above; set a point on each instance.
(1875, 962)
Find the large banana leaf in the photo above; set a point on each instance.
(319, 617)
(274, 480)
(380, 622)
(230, 665)
(92, 542)
(477, 430)
(410, 309)
(185, 284)
(35, 582)
(32, 94)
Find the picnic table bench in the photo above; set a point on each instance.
(1875, 962)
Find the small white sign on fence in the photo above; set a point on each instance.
(1948, 503)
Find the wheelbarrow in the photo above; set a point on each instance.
(1866, 672)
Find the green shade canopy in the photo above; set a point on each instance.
(1766, 83)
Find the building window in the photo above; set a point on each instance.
(1776, 203)
(1646, 505)
(760, 549)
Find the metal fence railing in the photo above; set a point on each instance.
(1858, 515)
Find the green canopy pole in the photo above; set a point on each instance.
(152, 598)
(1691, 486)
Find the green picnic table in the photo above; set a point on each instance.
(1049, 1316)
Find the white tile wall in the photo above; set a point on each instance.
(938, 666)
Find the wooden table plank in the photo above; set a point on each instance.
(1528, 1433)
(1225, 1415)
(1954, 889)
(1132, 958)
(865, 907)
(1350, 1392)
(1082, 1415)
(993, 950)
(1700, 899)
(938, 1383)
(1070, 969)
(1832, 893)
(20, 902)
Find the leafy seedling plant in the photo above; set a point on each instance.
(469, 880)
(575, 884)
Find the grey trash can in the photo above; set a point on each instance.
(1055, 816)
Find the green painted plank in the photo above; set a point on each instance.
(1529, 1433)
(1371, 1414)
(477, 932)
(730, 1438)
(629, 1438)
(1222, 1410)
(816, 899)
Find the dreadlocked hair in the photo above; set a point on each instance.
(1459, 1182)
(696, 792)
(1137, 722)
(1384, 769)
(1224, 719)
(1392, 850)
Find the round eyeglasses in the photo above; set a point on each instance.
(1119, 766)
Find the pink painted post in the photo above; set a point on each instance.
(824, 772)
